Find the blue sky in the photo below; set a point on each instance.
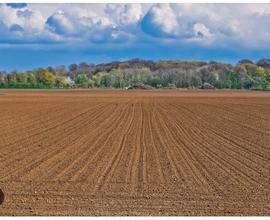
(33, 35)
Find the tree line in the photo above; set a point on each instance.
(161, 74)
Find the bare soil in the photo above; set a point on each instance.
(110, 152)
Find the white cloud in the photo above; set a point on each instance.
(208, 24)
(161, 21)
(29, 20)
(239, 24)
(124, 14)
(88, 26)
(94, 21)
(201, 31)
(23, 25)
(60, 23)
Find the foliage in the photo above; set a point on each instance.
(162, 74)
(44, 77)
(83, 81)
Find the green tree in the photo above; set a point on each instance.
(260, 72)
(154, 81)
(267, 75)
(97, 79)
(105, 80)
(31, 79)
(83, 81)
(12, 79)
(22, 80)
(142, 75)
(249, 83)
(117, 79)
(234, 78)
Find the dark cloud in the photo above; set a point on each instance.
(60, 23)
(24, 13)
(16, 28)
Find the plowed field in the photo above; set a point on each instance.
(95, 152)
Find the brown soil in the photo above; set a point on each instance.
(95, 152)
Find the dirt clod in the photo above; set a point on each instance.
(2, 196)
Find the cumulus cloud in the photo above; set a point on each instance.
(165, 21)
(206, 24)
(87, 26)
(21, 19)
(201, 31)
(60, 23)
(92, 21)
(161, 21)
(124, 14)
(210, 24)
